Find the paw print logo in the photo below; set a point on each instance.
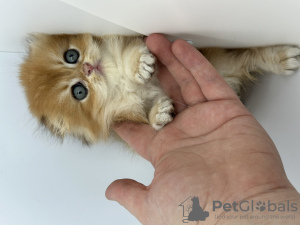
(261, 206)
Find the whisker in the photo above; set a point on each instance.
(180, 103)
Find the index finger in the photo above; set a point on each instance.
(213, 86)
(161, 48)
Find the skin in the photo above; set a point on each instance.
(214, 148)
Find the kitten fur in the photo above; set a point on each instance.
(119, 73)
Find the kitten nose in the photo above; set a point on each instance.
(88, 69)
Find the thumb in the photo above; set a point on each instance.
(138, 136)
(131, 195)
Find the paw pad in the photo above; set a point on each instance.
(146, 68)
(289, 60)
(164, 114)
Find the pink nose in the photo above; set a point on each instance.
(88, 69)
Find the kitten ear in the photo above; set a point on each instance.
(32, 41)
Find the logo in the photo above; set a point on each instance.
(192, 211)
(267, 210)
(250, 206)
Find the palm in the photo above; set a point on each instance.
(223, 157)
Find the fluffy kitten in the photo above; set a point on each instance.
(82, 84)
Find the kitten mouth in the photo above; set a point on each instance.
(88, 68)
(99, 69)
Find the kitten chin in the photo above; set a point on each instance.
(81, 84)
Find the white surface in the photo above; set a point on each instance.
(275, 103)
(230, 23)
(17, 18)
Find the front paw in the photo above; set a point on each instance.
(146, 67)
(162, 113)
(288, 59)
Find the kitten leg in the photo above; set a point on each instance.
(146, 66)
(238, 65)
(161, 113)
(282, 60)
(138, 64)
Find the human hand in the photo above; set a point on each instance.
(214, 148)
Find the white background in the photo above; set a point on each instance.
(45, 182)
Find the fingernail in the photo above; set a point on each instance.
(190, 42)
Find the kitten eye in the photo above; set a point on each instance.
(71, 56)
(79, 91)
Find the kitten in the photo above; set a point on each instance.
(83, 84)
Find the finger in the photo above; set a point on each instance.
(138, 136)
(171, 88)
(161, 48)
(131, 195)
(213, 86)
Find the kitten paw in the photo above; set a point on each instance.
(146, 67)
(162, 113)
(288, 59)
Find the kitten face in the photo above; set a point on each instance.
(65, 84)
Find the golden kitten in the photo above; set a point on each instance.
(83, 84)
